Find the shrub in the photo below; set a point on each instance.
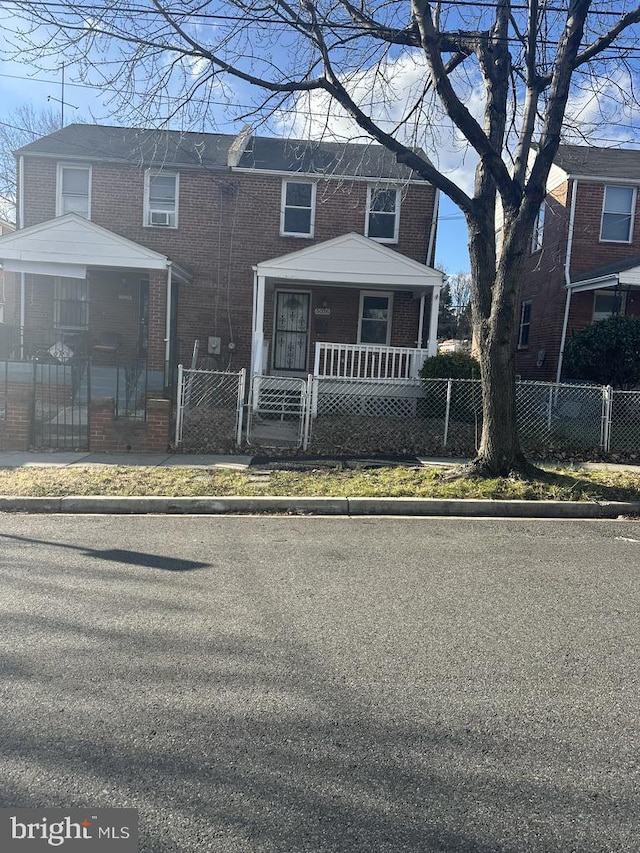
(455, 365)
(607, 352)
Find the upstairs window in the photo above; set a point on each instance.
(70, 303)
(617, 214)
(297, 216)
(161, 200)
(383, 208)
(74, 190)
(525, 324)
(538, 229)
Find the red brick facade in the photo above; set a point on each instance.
(543, 280)
(227, 222)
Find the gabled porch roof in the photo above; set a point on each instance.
(620, 273)
(67, 245)
(353, 261)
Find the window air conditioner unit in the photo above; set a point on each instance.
(160, 217)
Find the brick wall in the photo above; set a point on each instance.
(108, 435)
(227, 223)
(15, 429)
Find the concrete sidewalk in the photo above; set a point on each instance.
(67, 459)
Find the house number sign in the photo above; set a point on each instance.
(322, 312)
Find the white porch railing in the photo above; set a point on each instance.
(367, 361)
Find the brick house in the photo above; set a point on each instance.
(278, 256)
(584, 258)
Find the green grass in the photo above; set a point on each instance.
(402, 481)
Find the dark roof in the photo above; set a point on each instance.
(209, 150)
(364, 160)
(623, 163)
(132, 145)
(608, 269)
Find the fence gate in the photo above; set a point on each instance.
(279, 408)
(61, 406)
(210, 405)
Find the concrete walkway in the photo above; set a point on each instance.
(67, 459)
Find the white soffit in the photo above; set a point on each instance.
(40, 268)
(74, 241)
(352, 260)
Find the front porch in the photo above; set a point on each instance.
(346, 308)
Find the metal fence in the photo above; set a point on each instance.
(403, 416)
(209, 412)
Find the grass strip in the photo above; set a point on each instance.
(403, 481)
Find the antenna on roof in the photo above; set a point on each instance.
(61, 100)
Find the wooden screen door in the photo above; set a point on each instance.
(291, 331)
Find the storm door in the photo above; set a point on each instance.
(291, 334)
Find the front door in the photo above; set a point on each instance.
(291, 334)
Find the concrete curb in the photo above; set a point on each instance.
(321, 506)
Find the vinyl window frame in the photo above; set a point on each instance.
(524, 327)
(60, 195)
(372, 190)
(632, 212)
(538, 229)
(304, 235)
(153, 173)
(378, 293)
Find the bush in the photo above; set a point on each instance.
(607, 352)
(455, 365)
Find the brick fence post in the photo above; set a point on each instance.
(101, 419)
(16, 434)
(158, 419)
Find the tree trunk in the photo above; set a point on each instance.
(496, 329)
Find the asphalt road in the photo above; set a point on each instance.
(325, 684)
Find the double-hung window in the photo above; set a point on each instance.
(161, 199)
(74, 190)
(375, 318)
(607, 303)
(525, 324)
(617, 214)
(70, 303)
(297, 215)
(538, 229)
(383, 214)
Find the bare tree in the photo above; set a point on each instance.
(17, 128)
(501, 73)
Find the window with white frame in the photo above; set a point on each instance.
(383, 214)
(297, 215)
(538, 229)
(608, 303)
(70, 303)
(525, 324)
(617, 214)
(74, 190)
(161, 199)
(375, 318)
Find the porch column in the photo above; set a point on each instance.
(432, 343)
(257, 345)
(157, 319)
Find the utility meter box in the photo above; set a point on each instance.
(213, 345)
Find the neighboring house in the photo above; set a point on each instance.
(584, 258)
(135, 244)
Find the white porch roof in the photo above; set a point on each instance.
(352, 261)
(67, 245)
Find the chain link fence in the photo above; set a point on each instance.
(209, 411)
(624, 430)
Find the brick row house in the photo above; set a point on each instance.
(584, 258)
(279, 256)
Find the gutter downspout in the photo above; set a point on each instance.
(567, 277)
(167, 339)
(23, 282)
(432, 233)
